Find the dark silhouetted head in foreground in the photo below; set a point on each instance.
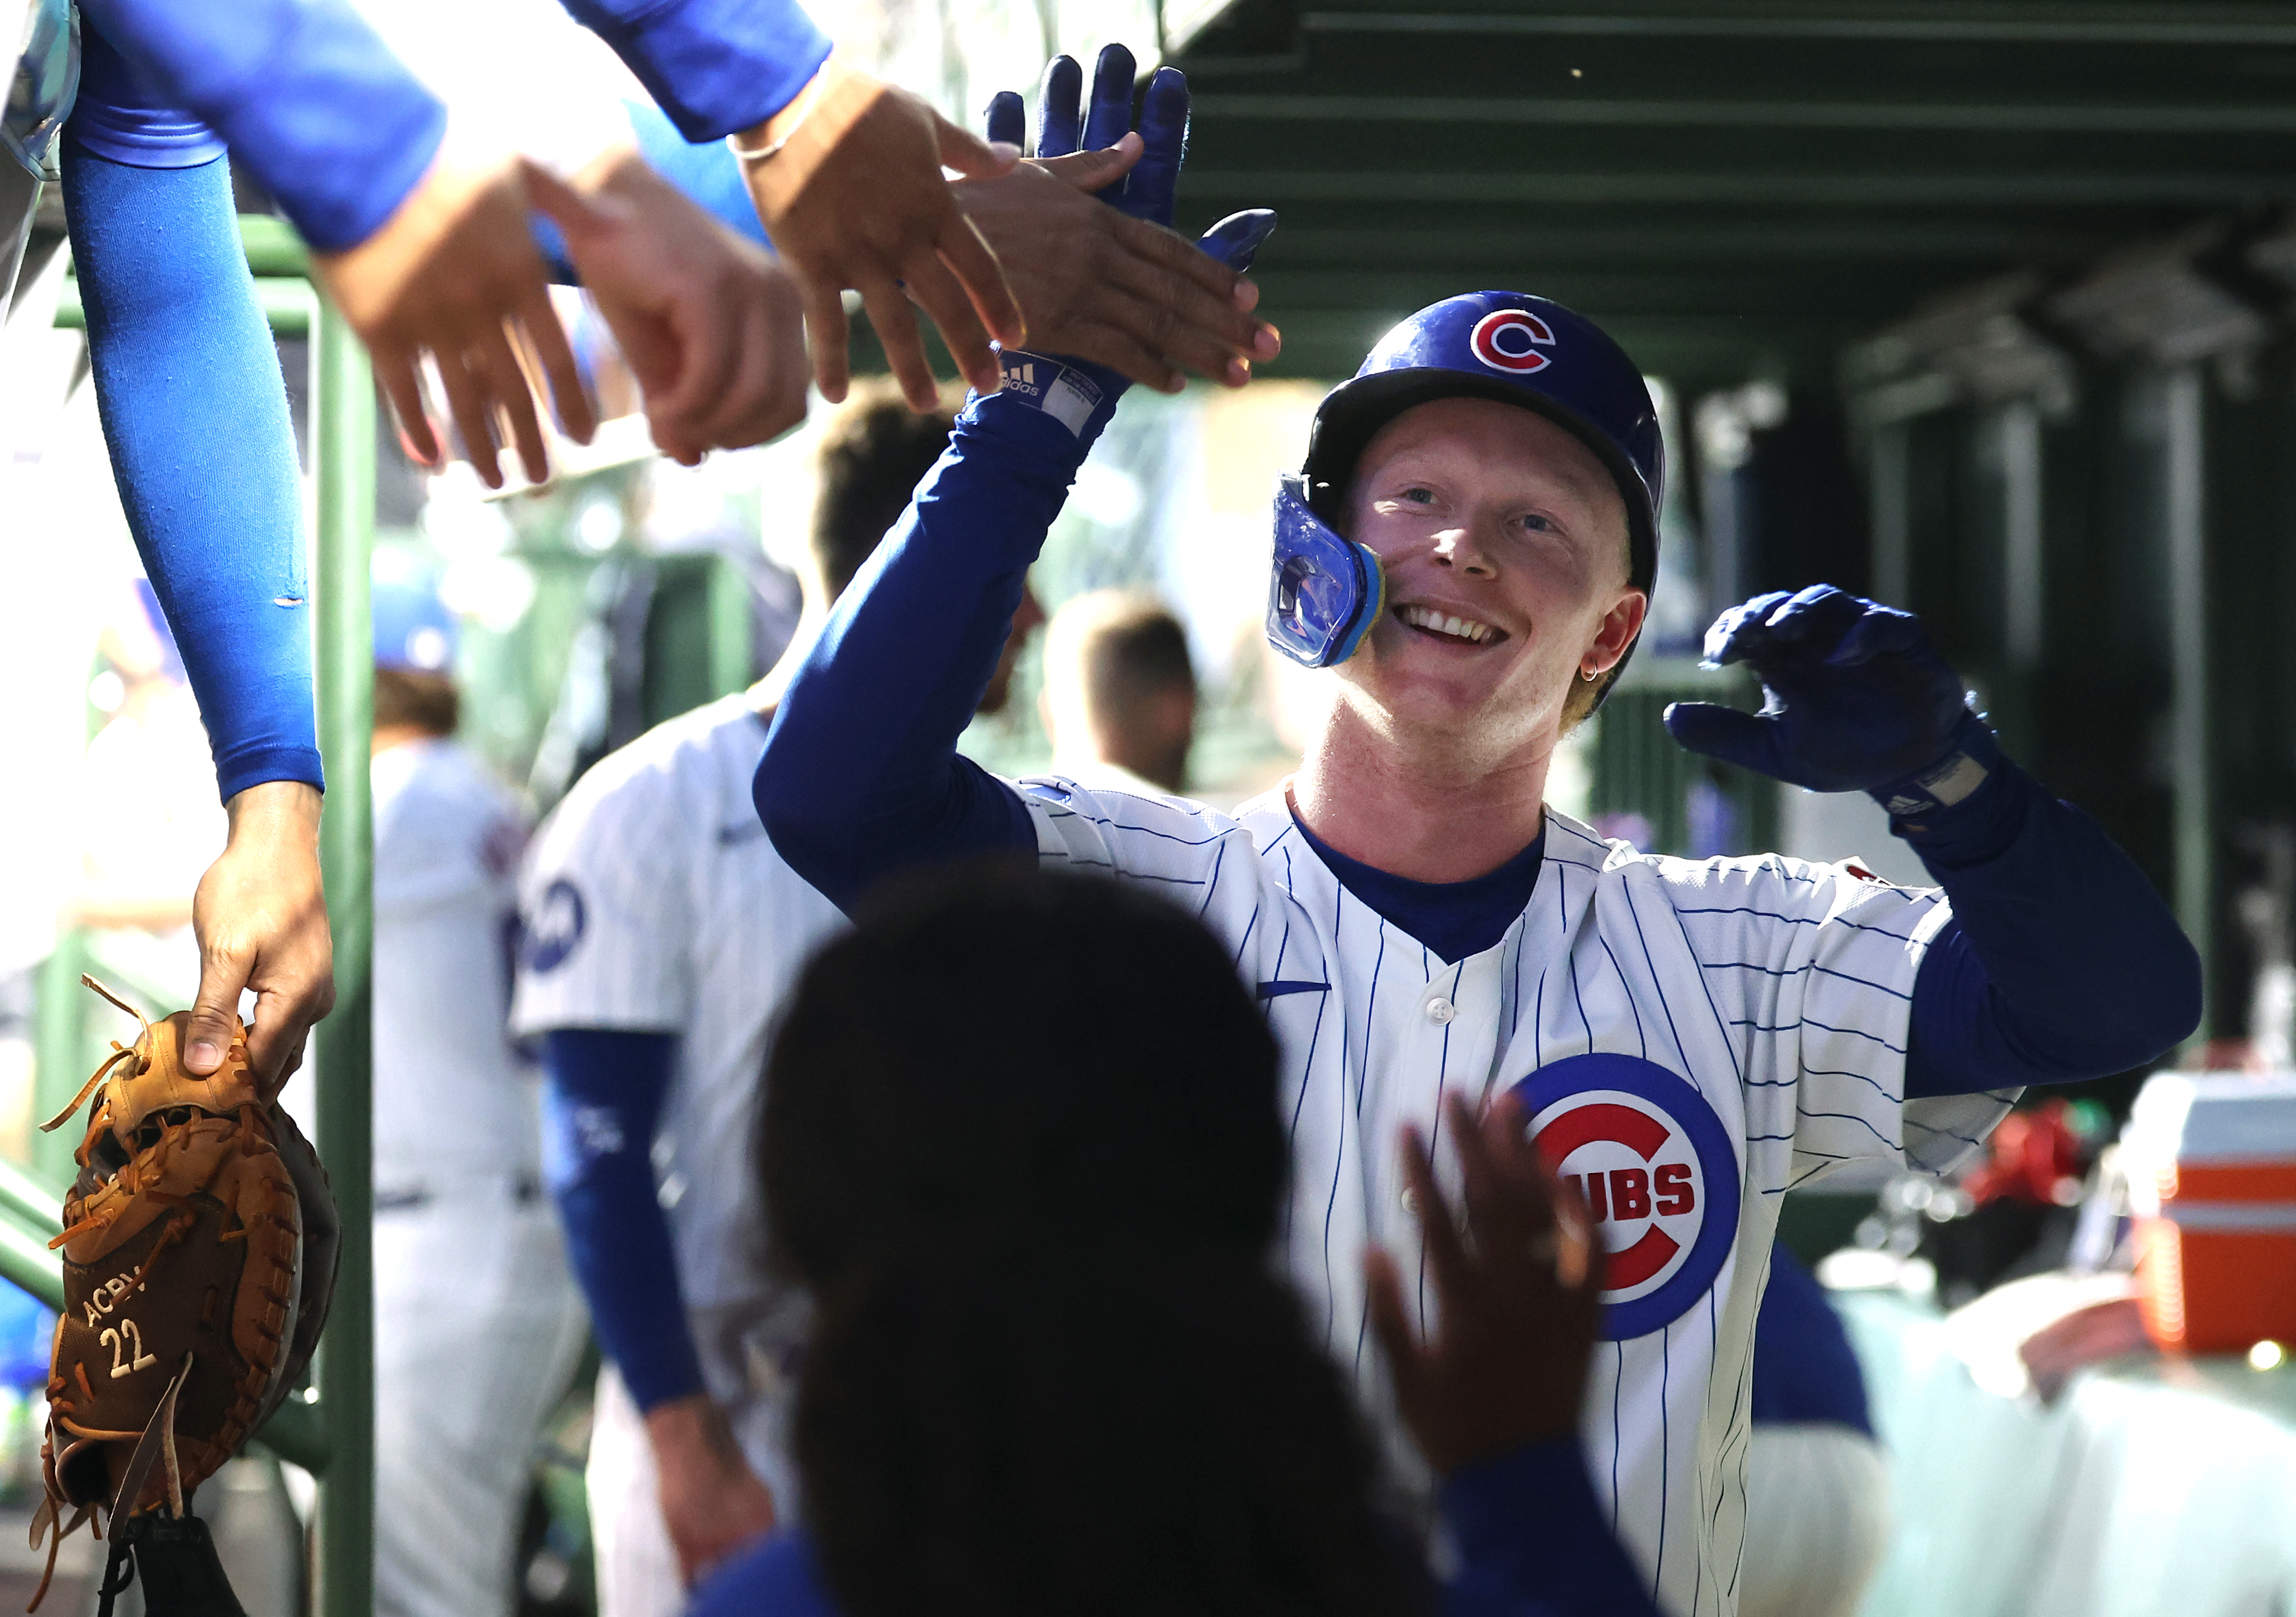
(1021, 1141)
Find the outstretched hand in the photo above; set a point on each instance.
(453, 273)
(848, 183)
(1856, 698)
(1084, 232)
(713, 327)
(1518, 1295)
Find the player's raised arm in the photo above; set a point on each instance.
(861, 773)
(2062, 962)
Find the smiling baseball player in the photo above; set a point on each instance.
(1469, 551)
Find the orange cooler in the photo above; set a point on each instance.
(2211, 1164)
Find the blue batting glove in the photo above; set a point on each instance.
(1854, 699)
(1146, 192)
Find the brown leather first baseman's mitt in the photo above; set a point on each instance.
(200, 1244)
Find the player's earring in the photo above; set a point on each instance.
(1590, 674)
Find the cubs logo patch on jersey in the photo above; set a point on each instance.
(1657, 1171)
(555, 926)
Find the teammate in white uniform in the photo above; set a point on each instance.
(662, 929)
(1691, 1039)
(477, 1321)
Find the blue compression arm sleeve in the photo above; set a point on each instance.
(716, 66)
(304, 92)
(2060, 964)
(187, 381)
(861, 776)
(1533, 1541)
(601, 1101)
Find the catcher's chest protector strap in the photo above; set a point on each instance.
(182, 1575)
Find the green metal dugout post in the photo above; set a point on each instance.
(342, 438)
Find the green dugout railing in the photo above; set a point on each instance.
(330, 1430)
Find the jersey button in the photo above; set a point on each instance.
(1441, 1010)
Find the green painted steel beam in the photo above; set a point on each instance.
(25, 1258)
(2117, 118)
(1767, 185)
(2246, 28)
(287, 304)
(34, 1204)
(299, 1431)
(272, 247)
(344, 452)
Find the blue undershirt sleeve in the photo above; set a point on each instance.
(195, 413)
(861, 774)
(2060, 964)
(304, 92)
(715, 66)
(1533, 1541)
(602, 1100)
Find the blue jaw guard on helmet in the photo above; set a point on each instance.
(1325, 592)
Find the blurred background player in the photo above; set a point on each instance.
(661, 928)
(1119, 694)
(477, 1324)
(1817, 1486)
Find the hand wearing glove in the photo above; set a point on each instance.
(1113, 285)
(1854, 699)
(1135, 174)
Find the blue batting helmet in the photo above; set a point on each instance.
(414, 631)
(1510, 347)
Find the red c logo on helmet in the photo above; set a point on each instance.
(1509, 339)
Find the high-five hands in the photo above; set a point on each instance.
(453, 273)
(848, 182)
(1517, 1295)
(713, 327)
(1112, 285)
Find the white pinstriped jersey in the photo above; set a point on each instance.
(1692, 1039)
(451, 1100)
(653, 901)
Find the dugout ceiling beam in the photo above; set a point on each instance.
(1745, 179)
